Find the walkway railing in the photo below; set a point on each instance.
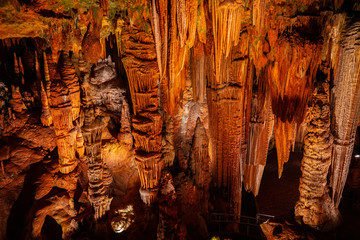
(245, 221)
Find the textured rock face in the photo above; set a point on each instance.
(315, 205)
(199, 158)
(98, 192)
(261, 129)
(102, 96)
(65, 111)
(346, 102)
(227, 100)
(143, 73)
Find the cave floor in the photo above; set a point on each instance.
(277, 197)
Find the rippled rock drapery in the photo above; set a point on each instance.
(261, 129)
(346, 100)
(227, 97)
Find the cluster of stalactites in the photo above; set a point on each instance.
(226, 18)
(296, 61)
(175, 32)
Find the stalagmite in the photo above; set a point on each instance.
(45, 117)
(346, 100)
(61, 112)
(92, 129)
(290, 80)
(315, 206)
(16, 103)
(199, 158)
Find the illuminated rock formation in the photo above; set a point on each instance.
(65, 111)
(143, 74)
(45, 117)
(199, 158)
(16, 103)
(227, 97)
(315, 205)
(296, 61)
(101, 96)
(92, 130)
(261, 128)
(69, 78)
(61, 112)
(346, 102)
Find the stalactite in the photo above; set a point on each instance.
(261, 128)
(68, 76)
(46, 75)
(227, 18)
(197, 68)
(290, 80)
(346, 100)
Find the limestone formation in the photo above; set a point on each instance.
(98, 194)
(261, 129)
(295, 65)
(346, 102)
(65, 111)
(315, 205)
(61, 112)
(200, 159)
(227, 97)
(143, 74)
(99, 98)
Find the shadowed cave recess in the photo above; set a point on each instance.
(179, 119)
